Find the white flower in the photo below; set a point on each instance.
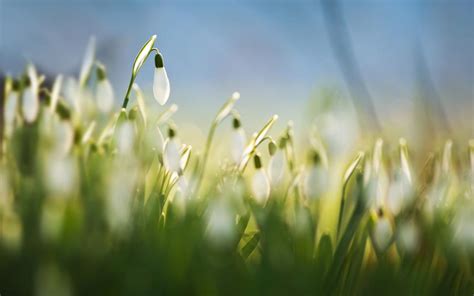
(182, 184)
(315, 182)
(172, 155)
(276, 167)
(221, 219)
(30, 106)
(125, 137)
(105, 96)
(238, 144)
(399, 193)
(61, 176)
(63, 135)
(408, 236)
(382, 234)
(161, 83)
(121, 187)
(261, 186)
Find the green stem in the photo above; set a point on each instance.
(207, 148)
(125, 100)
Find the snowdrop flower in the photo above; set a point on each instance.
(238, 141)
(383, 232)
(277, 164)
(63, 135)
(61, 175)
(400, 193)
(125, 138)
(315, 180)
(30, 106)
(121, 187)
(408, 236)
(161, 84)
(260, 182)
(104, 92)
(171, 152)
(221, 219)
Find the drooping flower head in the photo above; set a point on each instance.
(161, 83)
(260, 182)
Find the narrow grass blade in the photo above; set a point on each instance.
(250, 246)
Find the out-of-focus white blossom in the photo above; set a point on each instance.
(260, 186)
(104, 96)
(172, 155)
(400, 193)
(315, 178)
(382, 233)
(61, 175)
(120, 191)
(221, 223)
(276, 167)
(408, 236)
(238, 143)
(125, 137)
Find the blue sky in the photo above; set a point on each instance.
(273, 52)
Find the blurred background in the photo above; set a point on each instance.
(277, 54)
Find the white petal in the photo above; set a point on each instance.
(125, 137)
(382, 233)
(315, 182)
(261, 186)
(63, 136)
(408, 236)
(172, 156)
(238, 144)
(30, 106)
(276, 167)
(105, 96)
(61, 176)
(161, 86)
(221, 228)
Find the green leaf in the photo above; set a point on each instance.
(140, 102)
(250, 246)
(324, 253)
(347, 176)
(165, 116)
(352, 167)
(185, 156)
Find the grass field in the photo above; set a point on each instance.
(95, 199)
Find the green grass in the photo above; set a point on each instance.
(91, 203)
